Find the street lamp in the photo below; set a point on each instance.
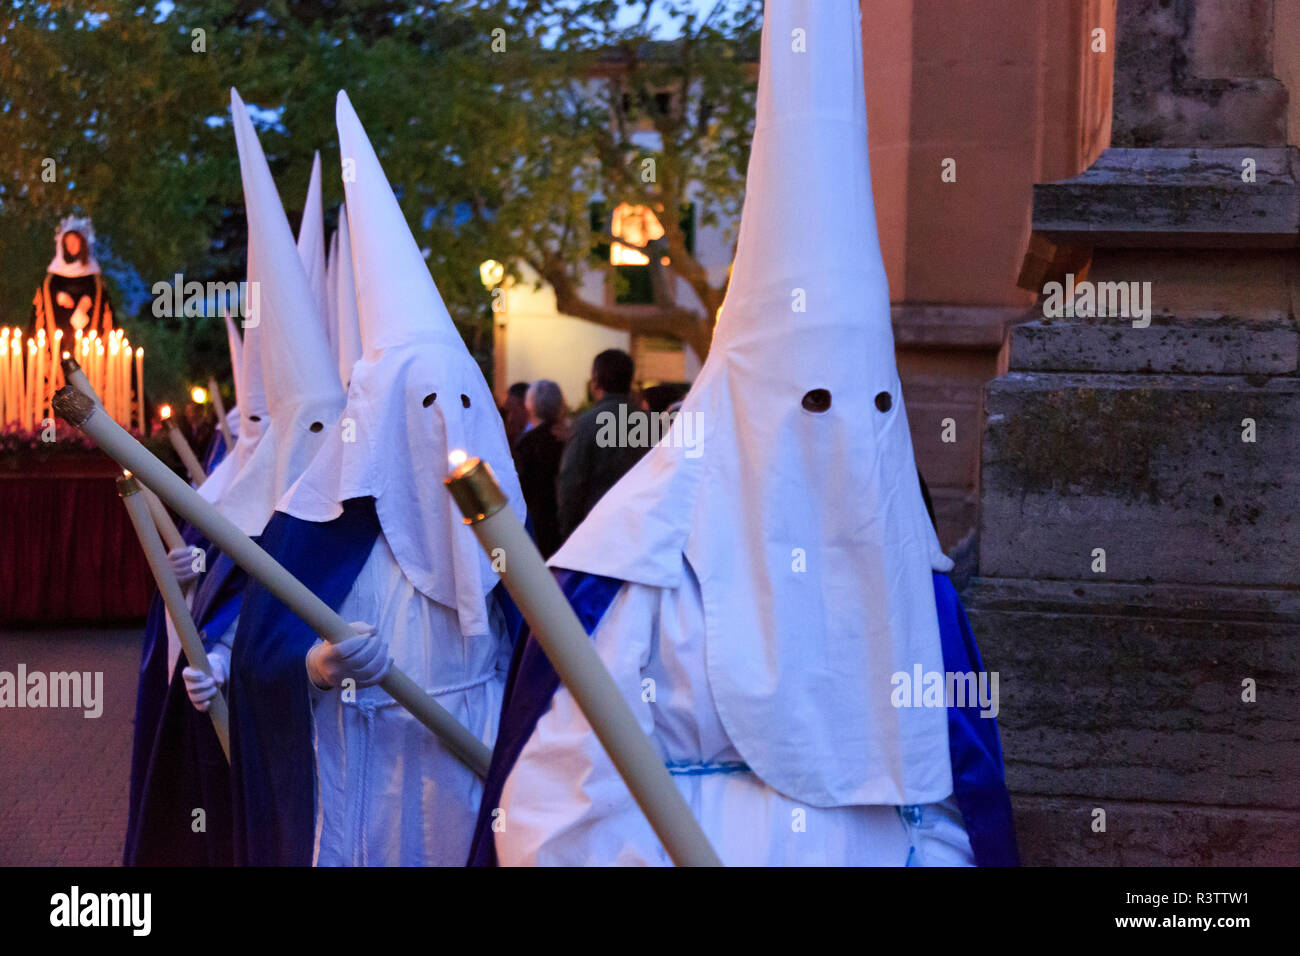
(490, 273)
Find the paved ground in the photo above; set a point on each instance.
(64, 777)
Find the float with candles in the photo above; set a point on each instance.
(58, 491)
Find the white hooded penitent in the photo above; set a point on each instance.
(311, 249)
(251, 411)
(800, 511)
(416, 395)
(345, 301)
(299, 373)
(236, 346)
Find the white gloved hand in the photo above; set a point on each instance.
(203, 688)
(182, 562)
(363, 658)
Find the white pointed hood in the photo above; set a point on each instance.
(236, 346)
(345, 301)
(311, 249)
(805, 528)
(332, 300)
(220, 477)
(299, 374)
(415, 396)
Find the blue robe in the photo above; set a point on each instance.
(177, 765)
(273, 773)
(273, 767)
(974, 747)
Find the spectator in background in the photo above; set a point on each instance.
(513, 412)
(537, 460)
(588, 470)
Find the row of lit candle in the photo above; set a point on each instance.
(31, 372)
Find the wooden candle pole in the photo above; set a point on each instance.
(186, 453)
(220, 406)
(177, 609)
(571, 653)
(76, 409)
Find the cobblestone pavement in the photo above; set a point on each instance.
(63, 776)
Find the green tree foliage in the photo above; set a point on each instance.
(500, 123)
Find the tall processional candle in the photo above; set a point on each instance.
(109, 391)
(4, 377)
(570, 651)
(81, 411)
(142, 423)
(173, 598)
(56, 376)
(38, 386)
(29, 406)
(124, 383)
(100, 356)
(183, 449)
(16, 353)
(16, 378)
(220, 406)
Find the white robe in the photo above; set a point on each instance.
(565, 804)
(389, 793)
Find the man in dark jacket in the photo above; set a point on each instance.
(590, 467)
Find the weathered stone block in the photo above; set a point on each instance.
(1192, 198)
(1128, 692)
(1151, 468)
(1204, 349)
(1057, 831)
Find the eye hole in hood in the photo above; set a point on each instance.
(430, 399)
(817, 400)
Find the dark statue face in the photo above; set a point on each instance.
(74, 247)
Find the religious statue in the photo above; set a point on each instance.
(72, 297)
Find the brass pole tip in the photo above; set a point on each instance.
(475, 490)
(73, 406)
(128, 485)
(70, 365)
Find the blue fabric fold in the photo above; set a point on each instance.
(974, 747)
(177, 766)
(273, 771)
(529, 687)
(973, 744)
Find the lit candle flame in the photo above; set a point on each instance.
(457, 458)
(199, 395)
(165, 412)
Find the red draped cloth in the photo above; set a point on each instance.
(68, 553)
